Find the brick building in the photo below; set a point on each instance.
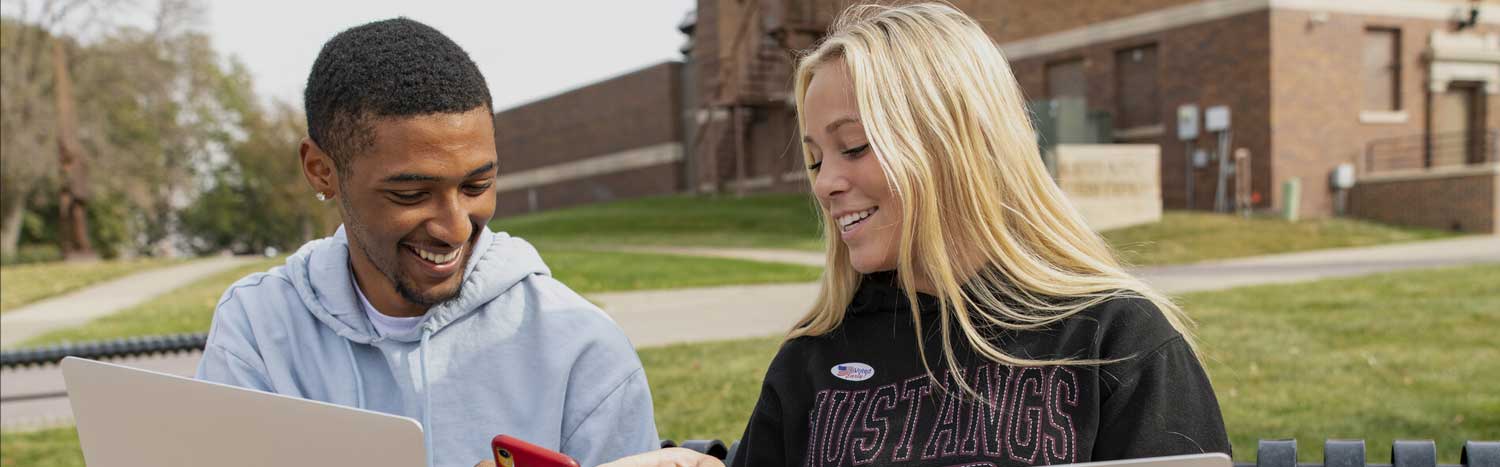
(1403, 90)
(614, 139)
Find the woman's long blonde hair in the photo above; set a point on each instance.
(983, 223)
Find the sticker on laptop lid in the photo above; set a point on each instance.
(853, 371)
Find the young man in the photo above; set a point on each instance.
(414, 307)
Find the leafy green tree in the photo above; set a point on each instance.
(257, 198)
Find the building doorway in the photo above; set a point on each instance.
(1456, 133)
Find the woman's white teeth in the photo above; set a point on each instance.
(850, 219)
(436, 258)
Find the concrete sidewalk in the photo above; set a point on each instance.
(653, 318)
(81, 306)
(1322, 264)
(661, 317)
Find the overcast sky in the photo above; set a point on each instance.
(526, 49)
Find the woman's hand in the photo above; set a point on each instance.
(670, 457)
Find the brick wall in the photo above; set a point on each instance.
(1317, 96)
(1022, 19)
(1465, 200)
(619, 185)
(631, 111)
(1220, 62)
(636, 109)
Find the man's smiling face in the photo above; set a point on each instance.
(413, 204)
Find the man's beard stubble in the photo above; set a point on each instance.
(391, 270)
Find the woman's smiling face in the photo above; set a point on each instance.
(847, 178)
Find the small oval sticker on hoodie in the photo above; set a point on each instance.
(853, 371)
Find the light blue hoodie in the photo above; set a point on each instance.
(516, 352)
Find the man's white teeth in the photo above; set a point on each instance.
(435, 258)
(849, 219)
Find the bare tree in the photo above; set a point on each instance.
(74, 187)
(28, 114)
(26, 121)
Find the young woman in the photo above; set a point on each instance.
(967, 314)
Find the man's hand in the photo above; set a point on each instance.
(670, 457)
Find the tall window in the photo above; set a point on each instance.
(1136, 95)
(1065, 79)
(1382, 70)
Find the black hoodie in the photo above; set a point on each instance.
(859, 395)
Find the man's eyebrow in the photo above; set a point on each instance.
(411, 177)
(482, 169)
(416, 177)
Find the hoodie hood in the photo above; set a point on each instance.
(321, 273)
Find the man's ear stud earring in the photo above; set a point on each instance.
(321, 196)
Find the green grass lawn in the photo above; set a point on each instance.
(706, 391)
(1392, 356)
(27, 283)
(767, 221)
(789, 221)
(187, 309)
(608, 271)
(56, 447)
(190, 309)
(1188, 237)
(1407, 355)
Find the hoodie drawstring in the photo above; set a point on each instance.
(359, 381)
(426, 396)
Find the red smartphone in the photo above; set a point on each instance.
(512, 452)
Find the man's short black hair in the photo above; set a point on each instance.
(391, 68)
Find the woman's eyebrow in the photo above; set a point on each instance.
(834, 125)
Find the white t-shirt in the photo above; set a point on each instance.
(385, 325)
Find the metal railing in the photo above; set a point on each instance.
(1432, 150)
(99, 350)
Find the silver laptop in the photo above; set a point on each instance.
(133, 417)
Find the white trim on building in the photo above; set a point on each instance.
(1382, 116)
(638, 158)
